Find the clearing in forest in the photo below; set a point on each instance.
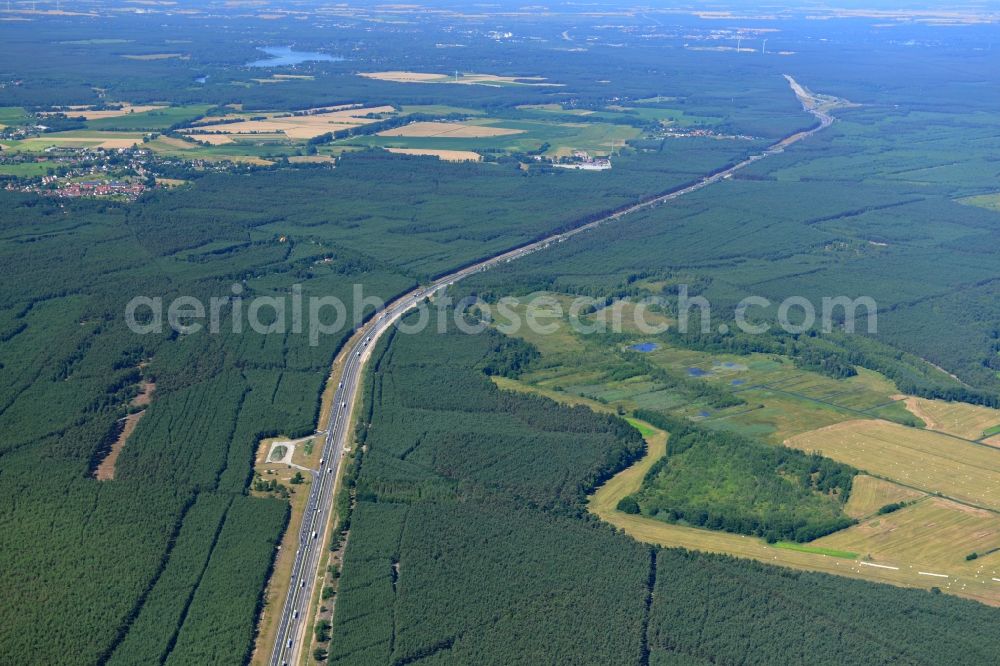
(105, 471)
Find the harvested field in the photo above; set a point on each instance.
(89, 114)
(404, 77)
(176, 143)
(111, 144)
(971, 580)
(398, 76)
(955, 418)
(304, 126)
(83, 139)
(310, 159)
(449, 130)
(154, 56)
(934, 533)
(869, 494)
(925, 460)
(446, 155)
(213, 139)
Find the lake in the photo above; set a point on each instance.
(281, 56)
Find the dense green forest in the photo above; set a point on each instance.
(724, 481)
(69, 269)
(469, 542)
(818, 223)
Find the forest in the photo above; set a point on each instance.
(181, 479)
(724, 481)
(469, 514)
(469, 540)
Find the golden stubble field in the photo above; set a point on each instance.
(468, 79)
(446, 155)
(955, 418)
(449, 130)
(923, 545)
(87, 113)
(306, 126)
(924, 460)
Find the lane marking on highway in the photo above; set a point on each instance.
(928, 573)
(880, 566)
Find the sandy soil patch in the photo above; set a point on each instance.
(449, 130)
(106, 470)
(146, 391)
(446, 155)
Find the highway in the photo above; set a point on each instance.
(313, 535)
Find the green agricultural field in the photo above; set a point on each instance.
(987, 201)
(77, 139)
(442, 109)
(12, 115)
(26, 169)
(819, 550)
(769, 396)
